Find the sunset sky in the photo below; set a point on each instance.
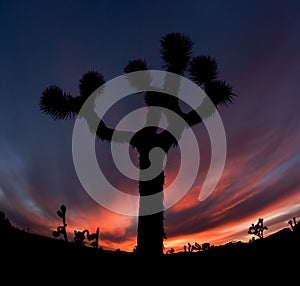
(257, 47)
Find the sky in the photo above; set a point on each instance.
(256, 45)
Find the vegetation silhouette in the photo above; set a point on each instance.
(79, 237)
(258, 229)
(195, 247)
(176, 52)
(33, 253)
(295, 226)
(61, 230)
(4, 222)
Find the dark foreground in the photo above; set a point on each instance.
(26, 256)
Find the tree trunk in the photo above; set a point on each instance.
(151, 213)
(151, 233)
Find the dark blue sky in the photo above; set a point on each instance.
(256, 44)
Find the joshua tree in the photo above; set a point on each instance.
(79, 237)
(293, 222)
(61, 229)
(93, 237)
(258, 228)
(170, 251)
(206, 246)
(192, 247)
(176, 52)
(197, 246)
(295, 225)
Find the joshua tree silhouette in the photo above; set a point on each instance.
(79, 237)
(176, 51)
(295, 225)
(258, 228)
(61, 229)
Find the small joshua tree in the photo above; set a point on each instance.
(295, 226)
(206, 246)
(197, 246)
(170, 251)
(79, 237)
(94, 237)
(258, 228)
(61, 230)
(293, 223)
